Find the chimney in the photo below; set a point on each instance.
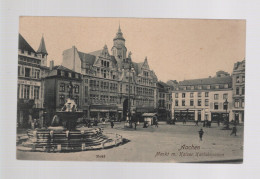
(51, 64)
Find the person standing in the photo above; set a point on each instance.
(201, 132)
(112, 124)
(135, 125)
(234, 131)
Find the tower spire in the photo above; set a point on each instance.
(42, 48)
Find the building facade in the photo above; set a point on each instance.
(164, 101)
(113, 83)
(203, 99)
(61, 84)
(31, 70)
(238, 76)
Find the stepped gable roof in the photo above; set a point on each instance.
(42, 48)
(207, 81)
(24, 45)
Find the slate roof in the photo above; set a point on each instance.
(207, 81)
(60, 67)
(24, 45)
(87, 58)
(138, 66)
(42, 48)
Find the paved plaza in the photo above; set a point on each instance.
(167, 143)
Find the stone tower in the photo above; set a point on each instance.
(43, 52)
(119, 50)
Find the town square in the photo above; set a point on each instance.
(92, 98)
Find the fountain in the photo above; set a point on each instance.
(67, 133)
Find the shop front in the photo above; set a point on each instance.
(101, 112)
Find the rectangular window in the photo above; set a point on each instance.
(237, 91)
(243, 103)
(191, 102)
(226, 86)
(191, 95)
(216, 106)
(37, 73)
(183, 95)
(225, 96)
(199, 102)
(176, 103)
(206, 102)
(243, 90)
(183, 102)
(237, 103)
(36, 92)
(62, 87)
(27, 72)
(206, 94)
(237, 79)
(26, 91)
(199, 94)
(62, 73)
(208, 86)
(243, 78)
(216, 96)
(176, 95)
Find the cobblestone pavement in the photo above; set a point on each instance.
(167, 143)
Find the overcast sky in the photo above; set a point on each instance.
(176, 49)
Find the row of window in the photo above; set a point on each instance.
(69, 74)
(28, 92)
(203, 87)
(144, 91)
(239, 103)
(238, 91)
(216, 96)
(199, 103)
(238, 79)
(64, 86)
(104, 86)
(30, 60)
(28, 72)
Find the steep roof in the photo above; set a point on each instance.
(24, 45)
(42, 48)
(207, 81)
(60, 67)
(138, 67)
(87, 58)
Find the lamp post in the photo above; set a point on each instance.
(227, 121)
(129, 101)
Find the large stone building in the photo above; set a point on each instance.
(112, 82)
(31, 69)
(203, 99)
(238, 91)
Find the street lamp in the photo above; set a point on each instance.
(227, 121)
(129, 101)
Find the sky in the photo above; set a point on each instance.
(176, 49)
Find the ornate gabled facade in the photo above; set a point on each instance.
(109, 80)
(31, 71)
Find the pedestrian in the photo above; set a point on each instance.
(218, 122)
(196, 123)
(234, 131)
(201, 132)
(156, 123)
(184, 121)
(135, 125)
(112, 124)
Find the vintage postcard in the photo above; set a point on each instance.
(131, 89)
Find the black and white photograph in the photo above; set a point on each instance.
(131, 89)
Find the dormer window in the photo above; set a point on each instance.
(217, 86)
(226, 86)
(192, 87)
(208, 86)
(70, 75)
(199, 87)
